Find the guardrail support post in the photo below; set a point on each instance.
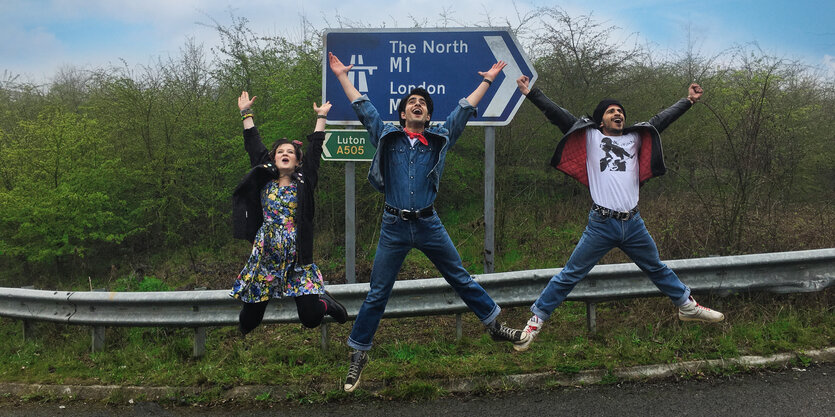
(199, 342)
(323, 328)
(591, 317)
(98, 339)
(97, 344)
(28, 330)
(459, 327)
(200, 333)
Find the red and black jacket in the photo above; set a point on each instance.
(570, 155)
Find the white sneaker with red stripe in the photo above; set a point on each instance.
(532, 329)
(692, 311)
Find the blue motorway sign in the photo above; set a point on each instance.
(388, 63)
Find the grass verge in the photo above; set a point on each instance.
(412, 355)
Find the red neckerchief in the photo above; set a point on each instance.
(418, 136)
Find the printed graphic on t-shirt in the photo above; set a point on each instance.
(615, 156)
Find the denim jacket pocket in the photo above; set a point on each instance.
(396, 155)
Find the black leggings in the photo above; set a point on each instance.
(311, 312)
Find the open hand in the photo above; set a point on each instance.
(337, 66)
(323, 109)
(494, 71)
(244, 102)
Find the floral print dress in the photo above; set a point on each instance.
(271, 270)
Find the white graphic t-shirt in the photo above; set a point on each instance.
(612, 164)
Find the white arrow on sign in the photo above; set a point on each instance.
(505, 91)
(348, 145)
(325, 149)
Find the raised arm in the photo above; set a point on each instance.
(366, 112)
(557, 115)
(256, 150)
(669, 115)
(341, 71)
(321, 115)
(245, 106)
(313, 153)
(489, 76)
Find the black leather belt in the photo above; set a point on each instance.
(617, 215)
(411, 214)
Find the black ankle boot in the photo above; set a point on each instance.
(335, 309)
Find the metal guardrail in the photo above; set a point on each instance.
(783, 272)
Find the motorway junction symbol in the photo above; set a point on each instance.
(388, 63)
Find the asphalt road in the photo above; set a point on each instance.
(788, 392)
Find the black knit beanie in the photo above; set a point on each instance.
(604, 104)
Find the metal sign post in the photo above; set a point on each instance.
(349, 145)
(489, 198)
(350, 223)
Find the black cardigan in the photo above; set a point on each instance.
(247, 213)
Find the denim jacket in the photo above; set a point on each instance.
(379, 132)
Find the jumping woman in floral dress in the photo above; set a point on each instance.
(273, 208)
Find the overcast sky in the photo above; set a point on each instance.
(39, 37)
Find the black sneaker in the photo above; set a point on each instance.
(335, 308)
(358, 360)
(500, 332)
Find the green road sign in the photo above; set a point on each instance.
(347, 145)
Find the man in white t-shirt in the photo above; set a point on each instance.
(613, 161)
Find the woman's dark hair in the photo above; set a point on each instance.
(297, 146)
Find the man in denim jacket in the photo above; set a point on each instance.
(613, 160)
(407, 168)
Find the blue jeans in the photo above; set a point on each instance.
(601, 235)
(397, 238)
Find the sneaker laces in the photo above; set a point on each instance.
(355, 367)
(690, 307)
(504, 331)
(533, 325)
(693, 307)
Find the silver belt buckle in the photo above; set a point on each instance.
(403, 214)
